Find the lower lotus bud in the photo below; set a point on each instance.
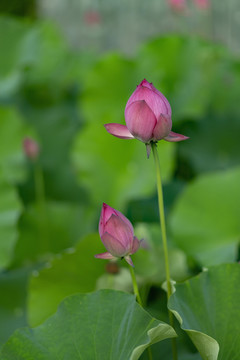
(117, 235)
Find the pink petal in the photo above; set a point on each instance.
(129, 260)
(113, 245)
(154, 99)
(135, 245)
(163, 127)
(127, 222)
(145, 83)
(140, 120)
(120, 231)
(118, 130)
(173, 137)
(106, 212)
(105, 255)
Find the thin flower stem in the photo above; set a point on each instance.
(41, 204)
(139, 300)
(164, 239)
(39, 185)
(135, 286)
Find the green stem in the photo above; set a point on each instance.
(139, 300)
(39, 185)
(164, 239)
(135, 286)
(41, 205)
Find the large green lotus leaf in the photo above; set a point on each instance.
(13, 289)
(69, 273)
(207, 307)
(49, 230)
(10, 209)
(106, 324)
(205, 220)
(12, 133)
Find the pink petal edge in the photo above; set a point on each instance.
(105, 255)
(174, 137)
(140, 120)
(113, 245)
(129, 260)
(118, 130)
(163, 127)
(135, 245)
(118, 228)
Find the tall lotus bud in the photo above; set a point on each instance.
(30, 148)
(117, 235)
(148, 117)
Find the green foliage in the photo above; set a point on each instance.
(110, 175)
(13, 302)
(49, 233)
(219, 134)
(207, 227)
(13, 131)
(90, 326)
(63, 98)
(211, 317)
(74, 271)
(10, 209)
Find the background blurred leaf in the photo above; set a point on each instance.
(13, 288)
(12, 133)
(61, 225)
(213, 144)
(205, 219)
(43, 51)
(11, 34)
(183, 69)
(66, 274)
(107, 87)
(10, 209)
(212, 313)
(149, 259)
(120, 174)
(113, 315)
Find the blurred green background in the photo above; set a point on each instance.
(67, 68)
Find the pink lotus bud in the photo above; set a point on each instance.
(178, 5)
(148, 117)
(30, 148)
(116, 233)
(202, 4)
